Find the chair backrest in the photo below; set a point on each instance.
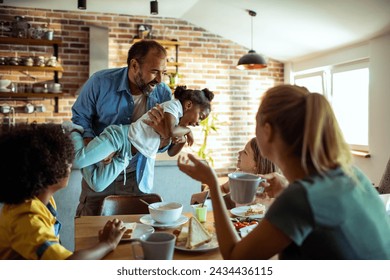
(199, 198)
(127, 204)
(384, 184)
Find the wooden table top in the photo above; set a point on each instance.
(86, 235)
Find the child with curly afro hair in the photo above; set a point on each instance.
(37, 163)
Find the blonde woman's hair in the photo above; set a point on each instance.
(263, 165)
(307, 123)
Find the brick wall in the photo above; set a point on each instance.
(208, 61)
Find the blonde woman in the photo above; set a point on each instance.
(329, 209)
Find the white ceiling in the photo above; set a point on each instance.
(285, 30)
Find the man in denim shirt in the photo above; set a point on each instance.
(121, 96)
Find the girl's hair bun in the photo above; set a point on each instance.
(209, 95)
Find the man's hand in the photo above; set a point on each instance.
(157, 121)
(87, 140)
(108, 159)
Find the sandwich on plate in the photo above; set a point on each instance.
(197, 234)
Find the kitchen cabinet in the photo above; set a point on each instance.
(173, 63)
(55, 69)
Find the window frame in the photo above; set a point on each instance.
(326, 74)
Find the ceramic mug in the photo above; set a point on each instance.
(243, 186)
(29, 108)
(154, 246)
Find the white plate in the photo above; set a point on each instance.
(139, 230)
(245, 230)
(213, 244)
(147, 220)
(240, 212)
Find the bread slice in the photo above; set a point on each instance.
(130, 227)
(197, 234)
(183, 234)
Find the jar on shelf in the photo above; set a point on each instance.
(27, 61)
(39, 61)
(52, 61)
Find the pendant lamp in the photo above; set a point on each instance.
(154, 7)
(251, 60)
(82, 4)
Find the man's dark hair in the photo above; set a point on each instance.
(140, 49)
(33, 157)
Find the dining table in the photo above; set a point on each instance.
(87, 228)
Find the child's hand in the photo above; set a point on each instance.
(112, 233)
(190, 138)
(179, 140)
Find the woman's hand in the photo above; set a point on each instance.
(112, 233)
(196, 169)
(275, 184)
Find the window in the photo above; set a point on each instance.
(347, 89)
(313, 82)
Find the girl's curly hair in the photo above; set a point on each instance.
(33, 157)
(200, 97)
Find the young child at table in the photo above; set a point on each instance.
(187, 109)
(329, 210)
(251, 161)
(37, 163)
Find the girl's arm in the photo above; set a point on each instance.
(174, 130)
(177, 144)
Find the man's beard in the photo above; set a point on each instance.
(144, 87)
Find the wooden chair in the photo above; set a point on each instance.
(199, 198)
(127, 204)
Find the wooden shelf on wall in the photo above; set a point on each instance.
(31, 68)
(28, 41)
(12, 95)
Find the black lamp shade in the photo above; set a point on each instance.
(154, 7)
(82, 4)
(251, 60)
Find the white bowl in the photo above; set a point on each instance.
(165, 212)
(4, 83)
(37, 89)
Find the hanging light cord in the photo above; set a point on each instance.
(252, 14)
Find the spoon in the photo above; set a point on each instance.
(144, 202)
